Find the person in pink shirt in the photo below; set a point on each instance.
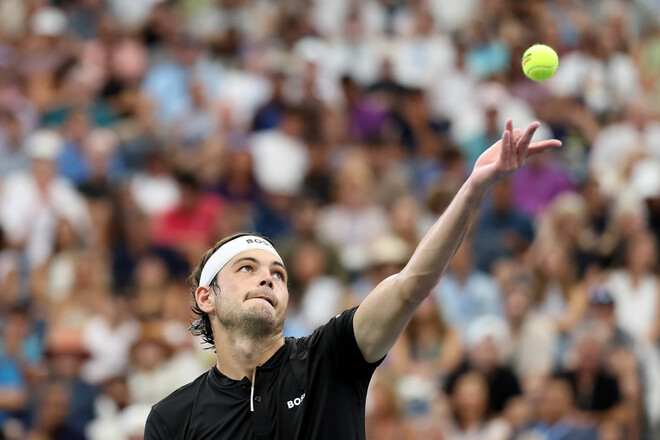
(191, 223)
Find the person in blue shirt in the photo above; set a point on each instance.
(466, 293)
(502, 231)
(12, 390)
(557, 416)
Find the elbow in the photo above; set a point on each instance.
(413, 288)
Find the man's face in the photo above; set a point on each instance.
(251, 294)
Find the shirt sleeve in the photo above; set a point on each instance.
(155, 428)
(335, 343)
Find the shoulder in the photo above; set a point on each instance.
(334, 336)
(340, 321)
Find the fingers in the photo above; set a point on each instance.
(517, 133)
(541, 146)
(505, 148)
(525, 139)
(516, 145)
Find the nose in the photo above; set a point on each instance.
(266, 279)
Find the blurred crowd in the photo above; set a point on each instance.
(136, 133)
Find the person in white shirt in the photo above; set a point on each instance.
(32, 201)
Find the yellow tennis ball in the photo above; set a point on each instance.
(540, 62)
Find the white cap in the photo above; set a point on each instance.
(388, 248)
(49, 22)
(487, 326)
(43, 144)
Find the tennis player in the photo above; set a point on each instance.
(265, 386)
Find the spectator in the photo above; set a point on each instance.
(532, 335)
(116, 417)
(320, 296)
(502, 232)
(366, 117)
(51, 415)
(23, 340)
(284, 143)
(155, 190)
(558, 416)
(60, 284)
(154, 374)
(31, 201)
(13, 156)
(424, 355)
(353, 220)
(167, 83)
(108, 336)
(387, 255)
(305, 219)
(597, 392)
(486, 344)
(635, 288)
(558, 293)
(269, 115)
(94, 161)
(383, 419)
(470, 398)
(619, 354)
(190, 225)
(237, 183)
(538, 184)
(13, 391)
(66, 354)
(465, 293)
(132, 243)
(10, 270)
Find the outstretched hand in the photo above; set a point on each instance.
(508, 154)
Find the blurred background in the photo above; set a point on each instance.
(135, 133)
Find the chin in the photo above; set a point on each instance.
(261, 323)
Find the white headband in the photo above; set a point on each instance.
(228, 251)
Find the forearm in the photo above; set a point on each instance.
(430, 259)
(382, 316)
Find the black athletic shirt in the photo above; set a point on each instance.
(312, 388)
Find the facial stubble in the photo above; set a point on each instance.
(250, 322)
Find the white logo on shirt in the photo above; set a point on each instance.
(295, 402)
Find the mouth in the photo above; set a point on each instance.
(265, 298)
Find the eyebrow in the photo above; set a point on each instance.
(254, 260)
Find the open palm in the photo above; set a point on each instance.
(509, 153)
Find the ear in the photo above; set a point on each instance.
(204, 298)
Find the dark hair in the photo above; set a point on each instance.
(202, 326)
(188, 180)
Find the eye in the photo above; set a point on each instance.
(279, 275)
(246, 268)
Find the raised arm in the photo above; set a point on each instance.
(381, 317)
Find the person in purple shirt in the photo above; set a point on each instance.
(366, 116)
(538, 183)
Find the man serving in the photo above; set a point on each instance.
(265, 386)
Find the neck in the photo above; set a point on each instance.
(636, 273)
(516, 323)
(469, 421)
(461, 273)
(239, 355)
